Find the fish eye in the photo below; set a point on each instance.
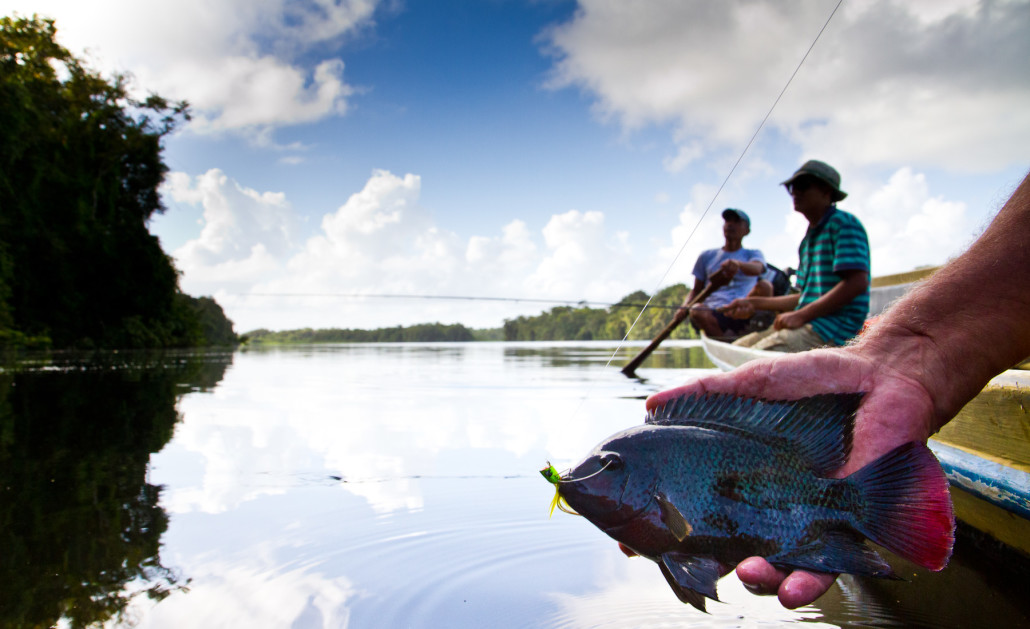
(611, 460)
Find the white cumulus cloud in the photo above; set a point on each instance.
(381, 240)
(245, 232)
(895, 83)
(929, 228)
(243, 65)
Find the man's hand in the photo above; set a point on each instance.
(740, 308)
(725, 273)
(789, 320)
(895, 410)
(729, 268)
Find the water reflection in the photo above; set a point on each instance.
(80, 525)
(669, 355)
(363, 486)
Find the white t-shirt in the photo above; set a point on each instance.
(709, 262)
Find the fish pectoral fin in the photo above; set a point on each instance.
(834, 552)
(673, 518)
(691, 578)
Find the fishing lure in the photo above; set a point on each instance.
(551, 474)
(553, 477)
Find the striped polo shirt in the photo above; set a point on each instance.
(837, 243)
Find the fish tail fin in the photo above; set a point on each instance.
(906, 505)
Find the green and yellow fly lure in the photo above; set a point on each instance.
(554, 477)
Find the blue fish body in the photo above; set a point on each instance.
(710, 480)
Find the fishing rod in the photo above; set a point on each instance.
(568, 302)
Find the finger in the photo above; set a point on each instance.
(786, 377)
(626, 550)
(802, 588)
(759, 576)
(658, 399)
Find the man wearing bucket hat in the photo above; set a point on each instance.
(733, 270)
(833, 274)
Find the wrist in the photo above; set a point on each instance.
(803, 314)
(918, 357)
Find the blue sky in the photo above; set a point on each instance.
(549, 149)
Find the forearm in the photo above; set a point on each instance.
(968, 322)
(752, 268)
(781, 303)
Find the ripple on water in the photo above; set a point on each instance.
(501, 562)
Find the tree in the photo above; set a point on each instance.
(79, 178)
(566, 323)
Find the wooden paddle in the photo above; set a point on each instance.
(681, 314)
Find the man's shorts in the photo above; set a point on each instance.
(729, 325)
(799, 340)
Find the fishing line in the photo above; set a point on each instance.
(568, 302)
(588, 476)
(725, 180)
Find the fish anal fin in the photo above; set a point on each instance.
(835, 552)
(673, 518)
(691, 578)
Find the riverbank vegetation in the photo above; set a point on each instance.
(79, 175)
(562, 323)
(422, 333)
(567, 323)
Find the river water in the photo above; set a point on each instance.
(367, 486)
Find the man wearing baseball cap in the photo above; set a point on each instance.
(733, 269)
(833, 274)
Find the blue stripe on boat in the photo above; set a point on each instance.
(998, 484)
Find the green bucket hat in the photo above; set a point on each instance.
(821, 171)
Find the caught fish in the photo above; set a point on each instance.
(710, 480)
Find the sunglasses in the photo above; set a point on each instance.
(800, 185)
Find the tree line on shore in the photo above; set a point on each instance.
(79, 175)
(421, 333)
(568, 323)
(562, 323)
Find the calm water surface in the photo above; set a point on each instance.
(366, 486)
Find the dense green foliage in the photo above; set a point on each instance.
(422, 333)
(563, 323)
(80, 167)
(584, 324)
(80, 526)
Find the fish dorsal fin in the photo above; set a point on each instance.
(818, 428)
